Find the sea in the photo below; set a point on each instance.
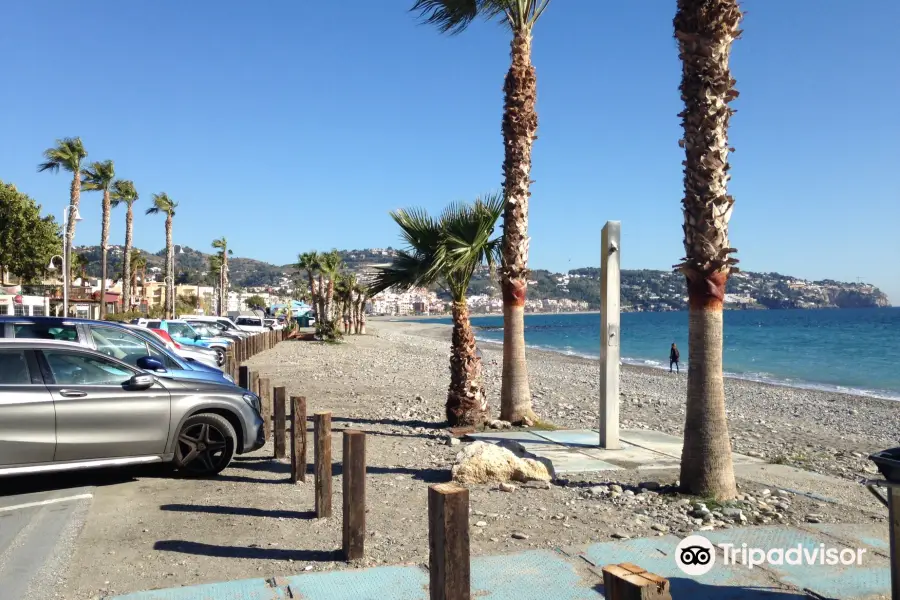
(853, 351)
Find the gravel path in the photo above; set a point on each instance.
(160, 531)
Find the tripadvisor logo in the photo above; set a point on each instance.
(695, 555)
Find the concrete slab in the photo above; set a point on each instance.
(871, 579)
(573, 438)
(722, 583)
(394, 583)
(869, 535)
(247, 589)
(633, 457)
(532, 575)
(564, 460)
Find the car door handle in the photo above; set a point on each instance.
(72, 393)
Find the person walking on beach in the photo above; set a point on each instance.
(674, 357)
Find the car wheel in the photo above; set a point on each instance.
(220, 356)
(205, 445)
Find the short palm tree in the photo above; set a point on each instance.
(309, 262)
(67, 154)
(705, 31)
(123, 191)
(165, 205)
(519, 128)
(138, 264)
(221, 245)
(361, 294)
(99, 177)
(330, 267)
(448, 250)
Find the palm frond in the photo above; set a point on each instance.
(68, 154)
(98, 176)
(406, 271)
(123, 190)
(466, 232)
(162, 204)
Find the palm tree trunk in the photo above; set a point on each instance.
(170, 276)
(362, 315)
(126, 268)
(104, 251)
(320, 309)
(74, 197)
(466, 399)
(519, 132)
(329, 301)
(705, 30)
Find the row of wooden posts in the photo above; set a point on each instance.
(448, 503)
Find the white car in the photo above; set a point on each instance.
(225, 324)
(251, 324)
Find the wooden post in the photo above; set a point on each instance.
(229, 366)
(254, 381)
(610, 284)
(354, 486)
(264, 391)
(448, 542)
(244, 377)
(894, 533)
(298, 439)
(279, 427)
(631, 582)
(322, 436)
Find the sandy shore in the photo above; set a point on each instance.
(815, 430)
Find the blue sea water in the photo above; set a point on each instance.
(848, 350)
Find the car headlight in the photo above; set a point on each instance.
(228, 377)
(253, 401)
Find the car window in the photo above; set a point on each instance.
(46, 331)
(154, 325)
(181, 330)
(75, 368)
(120, 344)
(170, 364)
(13, 368)
(247, 321)
(150, 336)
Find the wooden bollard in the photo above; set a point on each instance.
(322, 436)
(244, 377)
(254, 381)
(264, 391)
(448, 542)
(354, 486)
(630, 582)
(229, 367)
(280, 398)
(298, 439)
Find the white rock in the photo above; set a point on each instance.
(487, 463)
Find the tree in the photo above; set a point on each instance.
(124, 191)
(221, 245)
(362, 294)
(329, 266)
(27, 240)
(449, 249)
(309, 262)
(519, 126)
(255, 302)
(68, 154)
(705, 31)
(138, 263)
(165, 205)
(99, 176)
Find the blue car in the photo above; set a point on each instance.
(114, 340)
(184, 333)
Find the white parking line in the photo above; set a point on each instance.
(44, 502)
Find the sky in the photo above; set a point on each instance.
(290, 126)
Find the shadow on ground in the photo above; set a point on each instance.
(275, 466)
(27, 484)
(239, 510)
(251, 552)
(681, 587)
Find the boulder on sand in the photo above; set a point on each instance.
(480, 462)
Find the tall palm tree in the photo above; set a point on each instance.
(519, 128)
(221, 245)
(309, 262)
(705, 31)
(448, 250)
(362, 294)
(99, 177)
(330, 266)
(68, 154)
(123, 191)
(138, 264)
(163, 204)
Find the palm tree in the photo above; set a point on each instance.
(163, 204)
(362, 293)
(705, 30)
(123, 191)
(448, 250)
(68, 154)
(330, 266)
(309, 262)
(221, 245)
(519, 128)
(138, 264)
(99, 177)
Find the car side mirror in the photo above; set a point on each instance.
(141, 382)
(149, 363)
(197, 337)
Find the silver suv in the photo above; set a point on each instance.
(65, 407)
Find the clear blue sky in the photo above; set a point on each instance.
(288, 126)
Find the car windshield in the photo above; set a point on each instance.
(181, 330)
(247, 321)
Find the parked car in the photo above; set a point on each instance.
(183, 333)
(64, 406)
(223, 324)
(115, 340)
(210, 330)
(203, 355)
(251, 324)
(274, 324)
